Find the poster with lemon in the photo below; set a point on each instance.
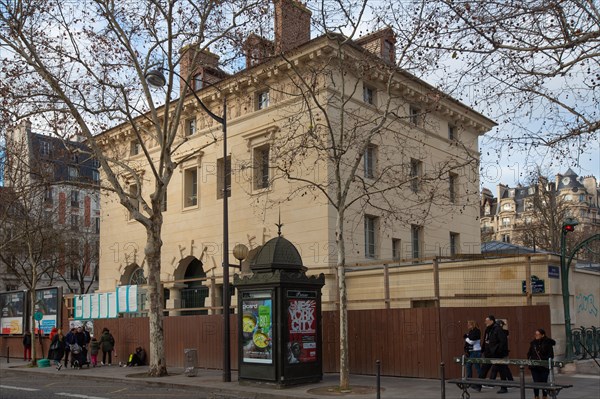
(257, 327)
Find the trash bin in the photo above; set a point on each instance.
(191, 362)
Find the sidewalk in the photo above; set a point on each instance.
(585, 386)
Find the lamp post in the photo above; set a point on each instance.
(567, 227)
(156, 78)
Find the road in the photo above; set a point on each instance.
(18, 385)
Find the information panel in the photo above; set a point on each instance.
(47, 301)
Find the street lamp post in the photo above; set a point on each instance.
(156, 78)
(567, 227)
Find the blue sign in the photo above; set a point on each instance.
(553, 272)
(537, 286)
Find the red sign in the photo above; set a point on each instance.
(302, 328)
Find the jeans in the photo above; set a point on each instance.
(473, 355)
(540, 374)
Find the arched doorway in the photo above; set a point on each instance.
(193, 293)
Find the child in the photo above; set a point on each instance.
(94, 349)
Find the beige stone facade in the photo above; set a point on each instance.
(432, 138)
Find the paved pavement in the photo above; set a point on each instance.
(585, 386)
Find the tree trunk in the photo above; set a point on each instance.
(341, 266)
(158, 367)
(32, 322)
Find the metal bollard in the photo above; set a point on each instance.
(378, 368)
(443, 378)
(522, 381)
(8, 354)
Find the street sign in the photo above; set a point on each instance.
(553, 271)
(38, 316)
(537, 286)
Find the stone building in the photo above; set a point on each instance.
(508, 216)
(429, 140)
(62, 180)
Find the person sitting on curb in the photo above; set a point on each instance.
(138, 358)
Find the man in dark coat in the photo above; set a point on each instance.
(493, 346)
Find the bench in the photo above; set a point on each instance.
(551, 386)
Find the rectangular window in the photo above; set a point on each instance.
(95, 176)
(416, 171)
(370, 244)
(74, 222)
(454, 243)
(48, 195)
(133, 192)
(190, 127)
(388, 51)
(414, 114)
(505, 222)
(190, 185)
(452, 187)
(73, 173)
(134, 147)
(44, 148)
(223, 177)
(97, 225)
(506, 238)
(262, 100)
(416, 233)
(261, 167)
(451, 132)
(369, 94)
(370, 161)
(198, 82)
(396, 248)
(75, 198)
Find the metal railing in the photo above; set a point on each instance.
(586, 342)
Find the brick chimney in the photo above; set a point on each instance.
(292, 25)
(381, 43)
(199, 67)
(257, 50)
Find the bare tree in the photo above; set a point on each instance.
(532, 65)
(26, 225)
(80, 67)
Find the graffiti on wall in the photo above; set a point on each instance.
(586, 304)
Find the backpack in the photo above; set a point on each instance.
(111, 339)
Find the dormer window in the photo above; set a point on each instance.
(487, 209)
(511, 193)
(44, 148)
(388, 51)
(506, 207)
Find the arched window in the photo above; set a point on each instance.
(137, 277)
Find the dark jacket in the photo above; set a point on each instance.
(541, 349)
(94, 347)
(80, 338)
(107, 342)
(472, 335)
(59, 351)
(495, 342)
(27, 340)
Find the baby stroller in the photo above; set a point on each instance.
(78, 356)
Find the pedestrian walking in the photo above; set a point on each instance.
(57, 348)
(472, 346)
(494, 346)
(541, 348)
(94, 349)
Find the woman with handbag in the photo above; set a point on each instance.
(540, 349)
(57, 349)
